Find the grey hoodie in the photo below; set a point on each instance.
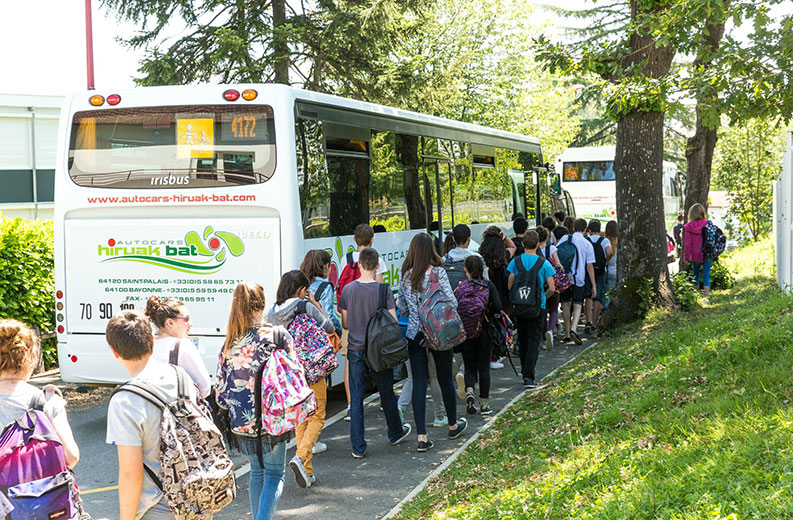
(284, 314)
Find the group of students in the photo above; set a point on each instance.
(479, 285)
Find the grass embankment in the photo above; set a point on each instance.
(686, 415)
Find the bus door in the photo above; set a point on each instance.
(525, 193)
(437, 188)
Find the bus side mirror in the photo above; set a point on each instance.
(555, 185)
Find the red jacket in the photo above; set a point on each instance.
(692, 244)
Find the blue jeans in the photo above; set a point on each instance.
(611, 281)
(705, 268)
(384, 381)
(265, 484)
(443, 368)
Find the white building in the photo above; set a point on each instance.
(28, 139)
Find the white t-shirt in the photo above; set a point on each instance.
(189, 359)
(586, 255)
(14, 405)
(380, 266)
(134, 421)
(551, 251)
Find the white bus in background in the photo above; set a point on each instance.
(588, 175)
(186, 191)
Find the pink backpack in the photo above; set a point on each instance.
(442, 327)
(313, 346)
(472, 297)
(286, 400)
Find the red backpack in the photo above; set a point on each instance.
(350, 273)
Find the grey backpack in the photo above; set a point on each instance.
(196, 472)
(386, 347)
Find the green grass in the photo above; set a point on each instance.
(683, 416)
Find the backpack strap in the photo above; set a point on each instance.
(519, 264)
(173, 356)
(548, 251)
(37, 401)
(278, 340)
(321, 290)
(182, 387)
(301, 308)
(383, 294)
(350, 261)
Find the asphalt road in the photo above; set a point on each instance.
(346, 487)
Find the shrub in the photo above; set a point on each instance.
(27, 284)
(685, 290)
(720, 276)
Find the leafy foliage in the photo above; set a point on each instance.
(27, 284)
(720, 276)
(685, 291)
(747, 160)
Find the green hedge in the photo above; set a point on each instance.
(27, 283)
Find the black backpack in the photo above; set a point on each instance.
(600, 256)
(455, 271)
(386, 347)
(525, 292)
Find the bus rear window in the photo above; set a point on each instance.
(588, 171)
(172, 147)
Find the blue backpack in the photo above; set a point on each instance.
(713, 240)
(568, 257)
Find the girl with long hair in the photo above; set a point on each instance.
(171, 344)
(611, 266)
(249, 344)
(692, 247)
(421, 261)
(497, 250)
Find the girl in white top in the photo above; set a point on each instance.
(173, 324)
(19, 354)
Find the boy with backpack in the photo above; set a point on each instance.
(577, 256)
(602, 249)
(519, 225)
(135, 423)
(528, 276)
(359, 303)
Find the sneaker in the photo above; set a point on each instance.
(484, 409)
(406, 429)
(495, 365)
(300, 471)
(425, 445)
(347, 417)
(319, 447)
(529, 383)
(443, 421)
(311, 480)
(470, 403)
(588, 327)
(359, 455)
(549, 340)
(575, 337)
(566, 339)
(460, 386)
(462, 424)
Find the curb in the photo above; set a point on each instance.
(437, 471)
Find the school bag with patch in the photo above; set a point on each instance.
(196, 473)
(350, 273)
(35, 479)
(525, 292)
(455, 271)
(600, 256)
(386, 346)
(442, 327)
(314, 348)
(286, 400)
(713, 240)
(472, 298)
(568, 257)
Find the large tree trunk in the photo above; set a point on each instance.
(638, 167)
(407, 153)
(280, 45)
(699, 148)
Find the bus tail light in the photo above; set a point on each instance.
(231, 95)
(60, 329)
(96, 100)
(249, 94)
(113, 99)
(59, 294)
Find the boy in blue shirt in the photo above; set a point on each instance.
(530, 329)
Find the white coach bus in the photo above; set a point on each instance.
(588, 175)
(185, 191)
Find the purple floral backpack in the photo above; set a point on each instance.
(36, 480)
(313, 346)
(472, 297)
(442, 327)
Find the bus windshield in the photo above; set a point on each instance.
(588, 171)
(172, 146)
